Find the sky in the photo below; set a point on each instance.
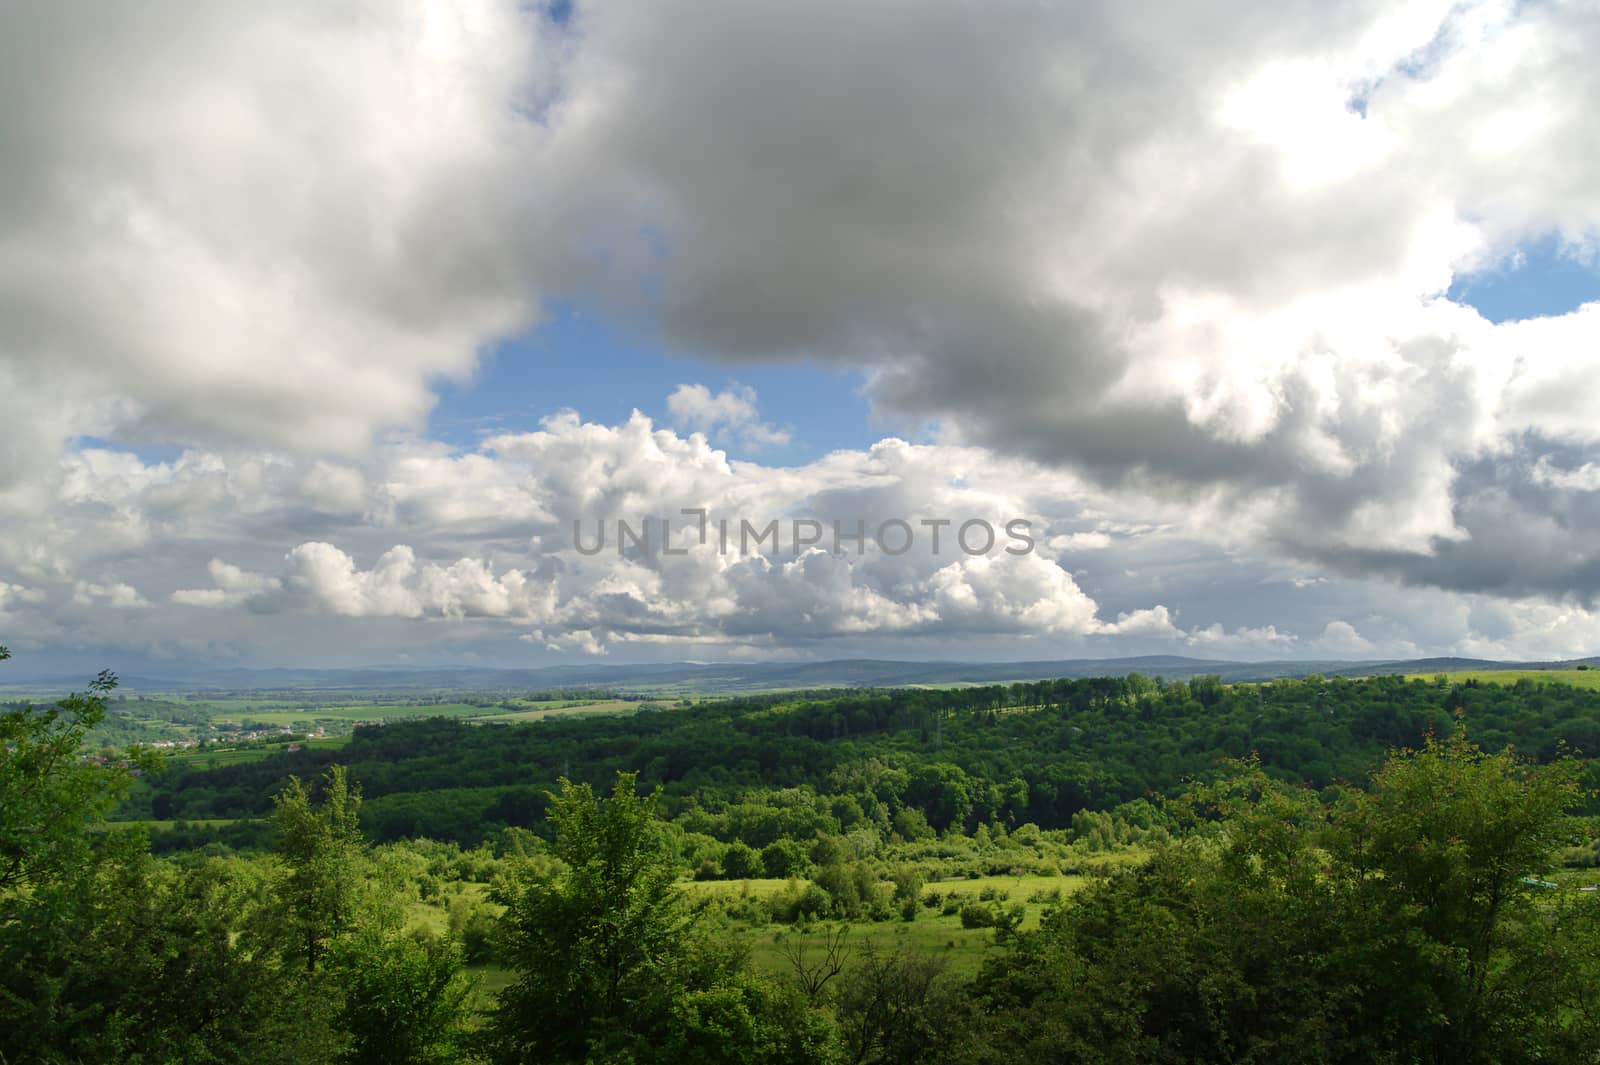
(333, 333)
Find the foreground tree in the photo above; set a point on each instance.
(323, 845)
(404, 1002)
(390, 998)
(107, 954)
(1464, 952)
(591, 942)
(1408, 924)
(49, 792)
(608, 967)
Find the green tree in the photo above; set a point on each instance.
(1406, 925)
(1441, 865)
(322, 845)
(49, 792)
(741, 862)
(107, 954)
(593, 939)
(608, 966)
(404, 1002)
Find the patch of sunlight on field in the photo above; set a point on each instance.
(933, 931)
(167, 826)
(245, 752)
(963, 948)
(1577, 678)
(736, 889)
(608, 706)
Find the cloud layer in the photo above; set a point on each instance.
(1172, 284)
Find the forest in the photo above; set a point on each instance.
(1105, 870)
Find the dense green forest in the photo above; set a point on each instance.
(760, 769)
(1115, 870)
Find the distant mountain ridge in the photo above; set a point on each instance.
(734, 677)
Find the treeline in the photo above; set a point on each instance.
(760, 769)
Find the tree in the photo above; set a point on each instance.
(107, 954)
(403, 1001)
(49, 792)
(1440, 864)
(741, 862)
(811, 970)
(899, 1006)
(588, 942)
(322, 844)
(608, 966)
(1406, 924)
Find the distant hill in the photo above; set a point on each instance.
(736, 677)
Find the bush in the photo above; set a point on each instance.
(784, 858)
(742, 862)
(912, 825)
(975, 915)
(800, 902)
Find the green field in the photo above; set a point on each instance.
(167, 826)
(352, 712)
(536, 712)
(933, 931)
(1577, 678)
(254, 751)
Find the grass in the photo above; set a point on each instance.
(733, 889)
(1577, 678)
(243, 753)
(608, 706)
(359, 712)
(167, 826)
(963, 948)
(932, 931)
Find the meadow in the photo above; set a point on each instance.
(1576, 678)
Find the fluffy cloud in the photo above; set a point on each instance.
(321, 577)
(1341, 638)
(733, 409)
(1162, 280)
(433, 551)
(1200, 255)
(246, 223)
(117, 595)
(17, 594)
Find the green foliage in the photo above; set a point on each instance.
(1264, 921)
(1436, 863)
(403, 1002)
(608, 967)
(49, 792)
(128, 958)
(742, 862)
(322, 845)
(1398, 927)
(594, 938)
(785, 857)
(741, 1021)
(769, 768)
(900, 1006)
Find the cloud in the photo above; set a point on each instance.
(117, 595)
(17, 594)
(233, 586)
(1263, 641)
(323, 577)
(1185, 275)
(733, 409)
(1147, 251)
(270, 225)
(484, 540)
(1341, 637)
